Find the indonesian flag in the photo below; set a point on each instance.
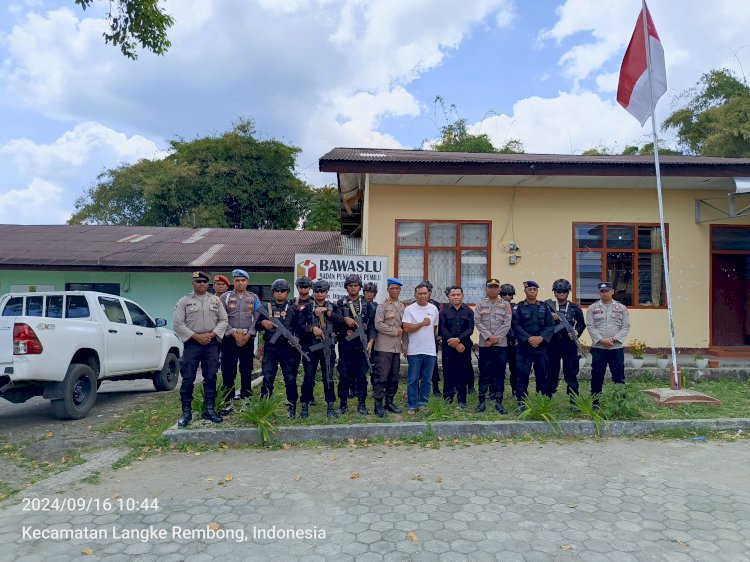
(634, 90)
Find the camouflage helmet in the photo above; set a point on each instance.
(562, 285)
(280, 285)
(370, 286)
(303, 282)
(320, 285)
(352, 279)
(508, 289)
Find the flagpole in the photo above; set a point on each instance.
(676, 375)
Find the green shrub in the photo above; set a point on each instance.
(439, 409)
(623, 402)
(584, 404)
(540, 407)
(263, 413)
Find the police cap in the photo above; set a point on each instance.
(221, 279)
(200, 275)
(240, 273)
(492, 283)
(528, 284)
(605, 285)
(394, 281)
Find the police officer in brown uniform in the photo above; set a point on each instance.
(390, 342)
(241, 306)
(199, 320)
(492, 318)
(608, 322)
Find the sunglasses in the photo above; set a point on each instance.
(320, 290)
(561, 292)
(506, 294)
(605, 290)
(200, 281)
(280, 291)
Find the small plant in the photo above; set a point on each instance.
(438, 409)
(661, 355)
(263, 413)
(637, 349)
(540, 407)
(623, 402)
(698, 357)
(587, 409)
(199, 399)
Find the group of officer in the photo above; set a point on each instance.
(221, 328)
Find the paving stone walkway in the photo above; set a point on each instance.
(613, 499)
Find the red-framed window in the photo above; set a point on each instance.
(629, 255)
(445, 252)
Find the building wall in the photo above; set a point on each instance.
(157, 293)
(542, 229)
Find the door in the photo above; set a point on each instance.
(148, 353)
(120, 336)
(730, 287)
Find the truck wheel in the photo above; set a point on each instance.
(166, 379)
(79, 388)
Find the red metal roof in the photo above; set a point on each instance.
(146, 247)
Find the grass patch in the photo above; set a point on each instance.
(7, 490)
(540, 407)
(264, 414)
(439, 410)
(95, 478)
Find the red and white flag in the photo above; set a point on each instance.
(634, 90)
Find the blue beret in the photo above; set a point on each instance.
(240, 273)
(394, 281)
(531, 284)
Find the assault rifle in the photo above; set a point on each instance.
(359, 332)
(325, 345)
(565, 325)
(282, 330)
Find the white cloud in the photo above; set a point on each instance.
(40, 200)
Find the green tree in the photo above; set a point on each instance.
(715, 121)
(136, 21)
(323, 212)
(232, 180)
(455, 136)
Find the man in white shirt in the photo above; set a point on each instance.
(420, 321)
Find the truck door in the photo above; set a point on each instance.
(148, 346)
(120, 336)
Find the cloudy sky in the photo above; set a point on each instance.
(324, 73)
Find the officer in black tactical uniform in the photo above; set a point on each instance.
(280, 352)
(507, 293)
(315, 323)
(533, 327)
(304, 285)
(352, 359)
(562, 347)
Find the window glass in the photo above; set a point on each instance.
(54, 307)
(14, 307)
(474, 234)
(443, 234)
(441, 271)
(649, 238)
(620, 237)
(731, 238)
(620, 274)
(34, 306)
(110, 288)
(113, 310)
(588, 275)
(138, 316)
(77, 307)
(411, 233)
(410, 270)
(588, 236)
(651, 284)
(473, 274)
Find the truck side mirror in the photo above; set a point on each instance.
(160, 322)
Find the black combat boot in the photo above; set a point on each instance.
(305, 411)
(481, 407)
(342, 407)
(292, 411)
(313, 402)
(391, 407)
(499, 405)
(331, 412)
(187, 415)
(210, 414)
(362, 409)
(379, 410)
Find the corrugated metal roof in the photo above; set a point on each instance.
(136, 247)
(381, 159)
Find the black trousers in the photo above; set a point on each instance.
(231, 353)
(600, 359)
(511, 353)
(352, 372)
(562, 351)
(207, 356)
(436, 373)
(457, 373)
(386, 367)
(527, 357)
(284, 356)
(492, 361)
(310, 368)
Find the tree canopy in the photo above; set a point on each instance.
(232, 180)
(323, 209)
(715, 121)
(136, 21)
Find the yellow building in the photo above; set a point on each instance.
(461, 218)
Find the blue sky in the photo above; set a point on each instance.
(326, 73)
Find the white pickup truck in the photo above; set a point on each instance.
(62, 345)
